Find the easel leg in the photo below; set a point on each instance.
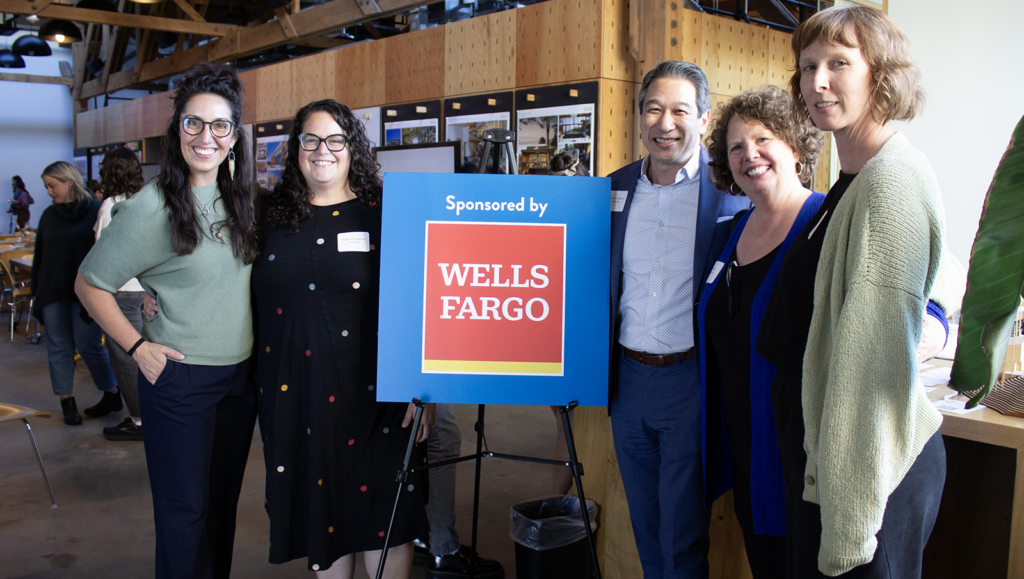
(403, 475)
(479, 427)
(577, 472)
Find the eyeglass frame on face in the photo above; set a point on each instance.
(186, 120)
(323, 140)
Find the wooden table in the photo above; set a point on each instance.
(980, 531)
(22, 264)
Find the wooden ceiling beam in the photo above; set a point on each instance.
(116, 18)
(188, 9)
(309, 22)
(66, 81)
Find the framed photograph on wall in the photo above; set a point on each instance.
(412, 124)
(465, 120)
(271, 140)
(370, 118)
(554, 120)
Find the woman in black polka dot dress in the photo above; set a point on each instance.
(332, 451)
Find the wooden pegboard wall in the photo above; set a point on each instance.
(734, 55)
(558, 42)
(480, 54)
(415, 66)
(780, 59)
(276, 85)
(359, 74)
(316, 74)
(615, 126)
(616, 62)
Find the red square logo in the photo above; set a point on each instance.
(494, 298)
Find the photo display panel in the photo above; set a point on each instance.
(466, 119)
(553, 120)
(494, 289)
(412, 124)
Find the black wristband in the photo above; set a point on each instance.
(136, 346)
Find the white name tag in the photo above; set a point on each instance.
(619, 200)
(354, 241)
(715, 271)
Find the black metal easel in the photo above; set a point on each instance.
(504, 140)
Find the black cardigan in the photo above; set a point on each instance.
(64, 237)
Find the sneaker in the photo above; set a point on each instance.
(126, 430)
(111, 402)
(70, 409)
(461, 563)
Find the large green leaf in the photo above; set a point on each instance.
(995, 278)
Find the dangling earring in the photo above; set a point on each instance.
(799, 168)
(231, 164)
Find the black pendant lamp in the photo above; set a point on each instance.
(10, 60)
(60, 31)
(31, 45)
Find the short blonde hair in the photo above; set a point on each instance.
(66, 173)
(896, 94)
(772, 107)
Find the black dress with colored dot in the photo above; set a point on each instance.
(331, 450)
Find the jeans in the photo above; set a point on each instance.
(125, 368)
(66, 332)
(444, 443)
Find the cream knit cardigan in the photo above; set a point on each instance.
(866, 414)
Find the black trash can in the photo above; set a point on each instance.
(551, 540)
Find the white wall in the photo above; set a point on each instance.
(35, 129)
(969, 54)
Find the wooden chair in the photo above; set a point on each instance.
(10, 412)
(20, 291)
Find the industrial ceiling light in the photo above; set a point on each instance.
(10, 60)
(32, 18)
(147, 1)
(60, 31)
(31, 45)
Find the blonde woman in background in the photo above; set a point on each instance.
(63, 239)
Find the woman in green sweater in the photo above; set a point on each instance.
(863, 462)
(189, 237)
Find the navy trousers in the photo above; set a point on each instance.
(199, 424)
(657, 433)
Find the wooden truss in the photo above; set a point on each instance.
(107, 33)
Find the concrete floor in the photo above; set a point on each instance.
(103, 526)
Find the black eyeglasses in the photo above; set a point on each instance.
(733, 287)
(311, 142)
(219, 128)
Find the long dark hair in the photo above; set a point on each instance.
(121, 173)
(236, 193)
(18, 183)
(290, 202)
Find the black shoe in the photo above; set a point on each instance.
(71, 415)
(127, 430)
(459, 564)
(111, 402)
(421, 552)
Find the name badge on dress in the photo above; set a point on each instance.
(619, 201)
(354, 241)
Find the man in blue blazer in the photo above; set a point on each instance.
(669, 223)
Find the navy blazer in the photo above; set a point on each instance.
(712, 233)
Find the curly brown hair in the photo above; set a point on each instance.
(121, 173)
(896, 94)
(290, 202)
(772, 107)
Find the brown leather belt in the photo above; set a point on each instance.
(660, 359)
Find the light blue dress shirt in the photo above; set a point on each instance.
(657, 263)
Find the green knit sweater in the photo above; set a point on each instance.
(866, 414)
(203, 297)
